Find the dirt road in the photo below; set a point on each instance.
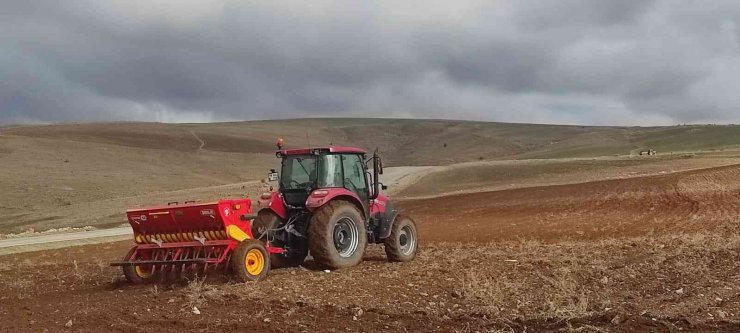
(200, 141)
(395, 177)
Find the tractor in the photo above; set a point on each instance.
(329, 204)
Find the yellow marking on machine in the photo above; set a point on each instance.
(236, 233)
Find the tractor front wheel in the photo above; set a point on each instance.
(141, 273)
(402, 244)
(250, 261)
(337, 235)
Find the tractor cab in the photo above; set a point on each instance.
(332, 169)
(329, 203)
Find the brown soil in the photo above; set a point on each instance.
(658, 253)
(685, 201)
(510, 174)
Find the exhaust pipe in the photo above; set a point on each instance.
(377, 171)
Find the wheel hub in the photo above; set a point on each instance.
(254, 262)
(144, 272)
(407, 240)
(346, 237)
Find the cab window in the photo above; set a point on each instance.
(354, 173)
(331, 171)
(298, 172)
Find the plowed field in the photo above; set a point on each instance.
(658, 253)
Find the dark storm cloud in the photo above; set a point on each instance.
(567, 61)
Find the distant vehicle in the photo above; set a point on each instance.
(648, 152)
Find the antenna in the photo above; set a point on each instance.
(308, 141)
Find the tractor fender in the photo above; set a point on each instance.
(321, 197)
(383, 211)
(274, 203)
(386, 222)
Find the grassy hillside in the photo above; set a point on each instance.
(402, 141)
(50, 168)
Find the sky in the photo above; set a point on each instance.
(587, 62)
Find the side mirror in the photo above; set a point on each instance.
(383, 187)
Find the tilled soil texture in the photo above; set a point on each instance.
(688, 201)
(640, 284)
(500, 175)
(632, 268)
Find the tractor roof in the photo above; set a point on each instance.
(330, 149)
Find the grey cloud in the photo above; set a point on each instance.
(504, 65)
(585, 62)
(581, 13)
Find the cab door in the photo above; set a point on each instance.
(354, 178)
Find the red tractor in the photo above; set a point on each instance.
(329, 203)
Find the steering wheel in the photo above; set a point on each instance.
(297, 184)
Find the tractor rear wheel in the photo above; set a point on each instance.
(250, 261)
(139, 274)
(267, 220)
(402, 244)
(337, 235)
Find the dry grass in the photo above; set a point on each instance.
(577, 286)
(195, 292)
(198, 292)
(559, 295)
(675, 276)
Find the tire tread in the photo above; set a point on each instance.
(393, 248)
(319, 238)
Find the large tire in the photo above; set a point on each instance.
(337, 235)
(250, 261)
(267, 220)
(403, 242)
(139, 274)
